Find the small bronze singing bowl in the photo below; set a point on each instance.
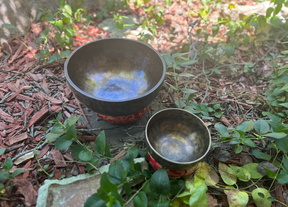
(115, 76)
(177, 139)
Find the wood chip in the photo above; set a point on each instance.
(12, 87)
(44, 86)
(225, 121)
(68, 157)
(55, 108)
(53, 100)
(44, 151)
(38, 116)
(24, 98)
(58, 158)
(40, 96)
(14, 95)
(18, 138)
(2, 126)
(57, 174)
(6, 117)
(87, 138)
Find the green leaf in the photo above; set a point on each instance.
(71, 121)
(284, 104)
(262, 21)
(227, 174)
(285, 87)
(59, 25)
(282, 144)
(17, 172)
(64, 53)
(51, 137)
(261, 126)
(269, 12)
(246, 126)
(85, 155)
(140, 200)
(2, 150)
(39, 15)
(100, 143)
(95, 201)
(252, 169)
(185, 75)
(261, 155)
(117, 173)
(4, 175)
(215, 29)
(160, 184)
(282, 177)
(161, 204)
(285, 163)
(71, 133)
(188, 90)
(63, 143)
(8, 164)
(53, 58)
(275, 21)
(94, 161)
(198, 196)
(237, 198)
(127, 189)
(68, 9)
(222, 130)
(238, 149)
(272, 116)
(59, 39)
(8, 26)
(241, 173)
(128, 158)
(246, 39)
(261, 202)
(176, 186)
(173, 87)
(276, 135)
(76, 151)
(229, 51)
(277, 9)
(107, 185)
(218, 114)
(270, 174)
(249, 143)
(186, 62)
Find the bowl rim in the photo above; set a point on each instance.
(171, 161)
(109, 100)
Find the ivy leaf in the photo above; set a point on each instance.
(236, 198)
(4, 175)
(117, 174)
(218, 114)
(160, 184)
(261, 155)
(17, 172)
(222, 130)
(270, 174)
(227, 174)
(246, 126)
(241, 173)
(215, 29)
(63, 143)
(261, 202)
(252, 169)
(140, 200)
(129, 157)
(94, 161)
(76, 151)
(282, 144)
(188, 90)
(261, 126)
(95, 201)
(211, 176)
(8, 164)
(282, 177)
(68, 9)
(100, 143)
(229, 50)
(85, 155)
(276, 135)
(2, 150)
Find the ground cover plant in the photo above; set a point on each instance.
(230, 73)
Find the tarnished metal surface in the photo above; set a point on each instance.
(177, 139)
(115, 76)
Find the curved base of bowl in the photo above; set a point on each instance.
(171, 173)
(123, 119)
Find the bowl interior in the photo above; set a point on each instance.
(115, 69)
(178, 136)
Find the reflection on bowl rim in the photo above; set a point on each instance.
(109, 100)
(171, 161)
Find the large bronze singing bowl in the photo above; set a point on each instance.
(177, 139)
(115, 76)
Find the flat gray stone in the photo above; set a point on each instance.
(118, 134)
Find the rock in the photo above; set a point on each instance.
(13, 12)
(240, 11)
